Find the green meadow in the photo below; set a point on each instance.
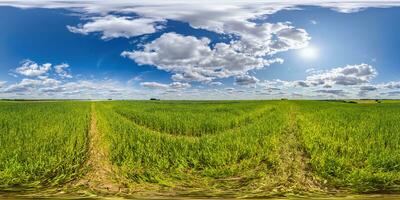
(200, 148)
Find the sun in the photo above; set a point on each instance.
(309, 52)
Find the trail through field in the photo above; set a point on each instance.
(99, 175)
(295, 173)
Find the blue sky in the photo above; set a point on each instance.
(210, 51)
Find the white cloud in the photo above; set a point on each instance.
(192, 59)
(32, 69)
(391, 85)
(253, 41)
(92, 89)
(368, 88)
(179, 85)
(113, 26)
(253, 45)
(365, 89)
(359, 5)
(349, 75)
(391, 94)
(43, 82)
(215, 83)
(334, 92)
(246, 80)
(301, 83)
(173, 85)
(80, 89)
(31, 85)
(2, 84)
(154, 85)
(61, 70)
(94, 6)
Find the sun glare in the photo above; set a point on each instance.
(309, 53)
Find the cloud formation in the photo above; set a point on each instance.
(2, 84)
(192, 59)
(345, 76)
(48, 81)
(31, 84)
(334, 92)
(246, 80)
(173, 85)
(62, 70)
(254, 44)
(252, 48)
(32, 69)
(113, 26)
(365, 89)
(391, 85)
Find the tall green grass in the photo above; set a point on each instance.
(192, 118)
(348, 146)
(145, 154)
(352, 145)
(42, 143)
(241, 146)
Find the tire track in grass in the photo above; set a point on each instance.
(259, 113)
(98, 178)
(294, 172)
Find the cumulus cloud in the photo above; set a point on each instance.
(357, 6)
(2, 84)
(348, 75)
(32, 69)
(31, 84)
(368, 88)
(113, 26)
(334, 92)
(192, 59)
(46, 81)
(365, 89)
(45, 87)
(174, 85)
(261, 6)
(188, 58)
(154, 85)
(179, 85)
(61, 70)
(90, 88)
(301, 83)
(392, 85)
(391, 93)
(215, 83)
(253, 41)
(246, 80)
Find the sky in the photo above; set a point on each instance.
(199, 49)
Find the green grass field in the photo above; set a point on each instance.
(42, 144)
(211, 148)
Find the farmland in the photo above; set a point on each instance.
(195, 148)
(42, 144)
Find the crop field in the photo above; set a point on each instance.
(201, 148)
(42, 144)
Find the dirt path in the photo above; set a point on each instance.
(295, 172)
(98, 178)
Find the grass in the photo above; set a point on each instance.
(238, 148)
(353, 146)
(41, 143)
(192, 118)
(146, 155)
